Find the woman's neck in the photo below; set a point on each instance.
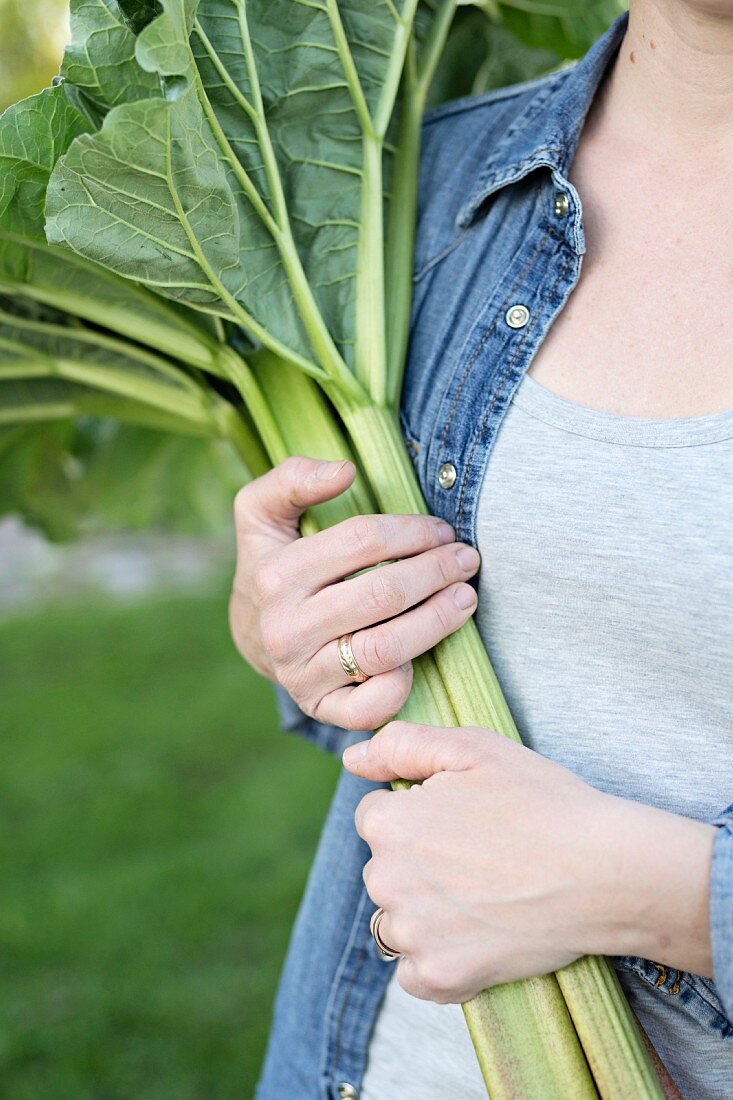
(672, 86)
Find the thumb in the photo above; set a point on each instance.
(277, 500)
(406, 750)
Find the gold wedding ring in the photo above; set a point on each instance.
(387, 953)
(349, 663)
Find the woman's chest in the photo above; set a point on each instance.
(648, 330)
(606, 595)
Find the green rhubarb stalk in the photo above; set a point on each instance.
(70, 283)
(400, 236)
(313, 432)
(608, 1030)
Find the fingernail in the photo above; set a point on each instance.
(327, 471)
(355, 753)
(465, 597)
(468, 559)
(445, 531)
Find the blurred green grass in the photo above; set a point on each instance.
(156, 832)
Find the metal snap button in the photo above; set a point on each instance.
(447, 475)
(561, 204)
(347, 1091)
(517, 316)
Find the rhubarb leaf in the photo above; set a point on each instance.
(33, 134)
(100, 59)
(252, 184)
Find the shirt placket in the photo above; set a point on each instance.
(502, 345)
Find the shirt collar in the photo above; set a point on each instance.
(546, 132)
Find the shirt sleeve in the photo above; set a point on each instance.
(330, 738)
(721, 909)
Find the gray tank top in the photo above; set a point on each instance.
(605, 600)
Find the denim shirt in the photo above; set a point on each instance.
(498, 251)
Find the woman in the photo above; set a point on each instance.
(583, 442)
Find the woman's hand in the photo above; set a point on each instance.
(291, 600)
(503, 864)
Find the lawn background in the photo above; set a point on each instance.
(156, 832)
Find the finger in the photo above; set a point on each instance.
(369, 705)
(274, 503)
(389, 645)
(406, 750)
(361, 542)
(381, 593)
(411, 976)
(410, 980)
(370, 814)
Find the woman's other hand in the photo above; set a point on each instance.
(503, 864)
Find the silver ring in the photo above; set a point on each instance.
(387, 953)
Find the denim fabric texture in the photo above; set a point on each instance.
(490, 236)
(721, 914)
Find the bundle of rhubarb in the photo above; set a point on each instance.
(206, 229)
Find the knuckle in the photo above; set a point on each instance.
(392, 729)
(382, 649)
(445, 568)
(370, 534)
(442, 616)
(294, 468)
(378, 884)
(373, 811)
(387, 595)
(426, 530)
(267, 581)
(277, 637)
(390, 734)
